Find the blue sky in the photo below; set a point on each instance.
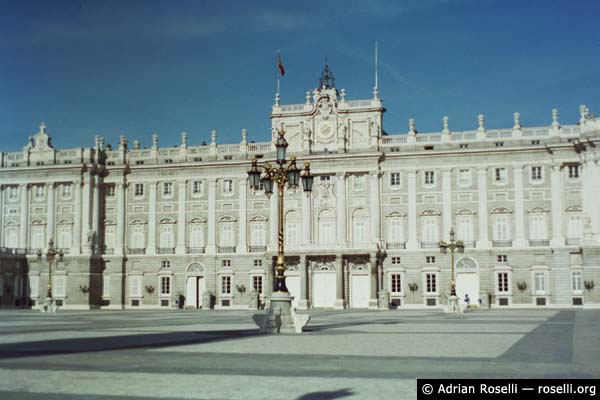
(139, 67)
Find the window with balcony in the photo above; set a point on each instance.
(326, 227)
(258, 236)
(138, 236)
(574, 228)
(167, 238)
(360, 226)
(501, 228)
(538, 229)
(430, 230)
(465, 228)
(292, 227)
(38, 236)
(63, 240)
(197, 234)
(395, 232)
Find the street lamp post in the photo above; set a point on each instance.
(279, 314)
(453, 245)
(51, 256)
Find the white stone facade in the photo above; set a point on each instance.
(149, 226)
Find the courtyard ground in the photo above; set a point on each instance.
(177, 354)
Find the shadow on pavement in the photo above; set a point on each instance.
(334, 394)
(123, 342)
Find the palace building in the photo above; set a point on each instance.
(151, 226)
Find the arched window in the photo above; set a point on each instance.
(430, 227)
(395, 229)
(197, 233)
(326, 227)
(292, 227)
(63, 239)
(465, 226)
(38, 235)
(138, 235)
(360, 226)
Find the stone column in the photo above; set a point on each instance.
(211, 247)
(375, 208)
(447, 204)
(273, 221)
(76, 250)
(51, 213)
(484, 241)
(339, 280)
(243, 241)
(303, 303)
(520, 240)
(121, 212)
(342, 210)
(558, 238)
(181, 223)
(24, 223)
(86, 210)
(151, 246)
(306, 219)
(96, 210)
(373, 302)
(412, 243)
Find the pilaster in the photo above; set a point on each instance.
(76, 250)
(484, 241)
(339, 281)
(181, 223)
(273, 221)
(211, 247)
(446, 203)
(2, 238)
(520, 240)
(558, 238)
(306, 218)
(86, 210)
(24, 214)
(412, 243)
(373, 301)
(151, 246)
(303, 303)
(121, 212)
(375, 207)
(342, 210)
(51, 212)
(243, 241)
(96, 210)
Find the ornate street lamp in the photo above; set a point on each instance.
(51, 256)
(452, 245)
(280, 300)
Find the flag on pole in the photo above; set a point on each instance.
(280, 65)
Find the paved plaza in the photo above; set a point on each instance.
(176, 354)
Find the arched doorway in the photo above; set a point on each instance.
(467, 280)
(195, 285)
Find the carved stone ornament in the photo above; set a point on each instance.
(466, 264)
(325, 196)
(326, 266)
(358, 267)
(195, 268)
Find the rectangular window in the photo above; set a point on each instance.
(257, 283)
(503, 282)
(226, 263)
(500, 176)
(110, 190)
(576, 281)
(464, 145)
(168, 161)
(13, 193)
(536, 173)
(165, 264)
(395, 260)
(197, 187)
(537, 227)
(139, 162)
(501, 228)
(464, 177)
(359, 183)
(228, 186)
(138, 189)
(324, 178)
(430, 229)
(535, 142)
(574, 227)
(39, 192)
(167, 188)
(499, 144)
(258, 263)
(165, 285)
(226, 284)
(396, 282)
(66, 191)
(573, 171)
(429, 178)
(196, 235)
(540, 283)
(431, 283)
(502, 258)
(430, 259)
(395, 179)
